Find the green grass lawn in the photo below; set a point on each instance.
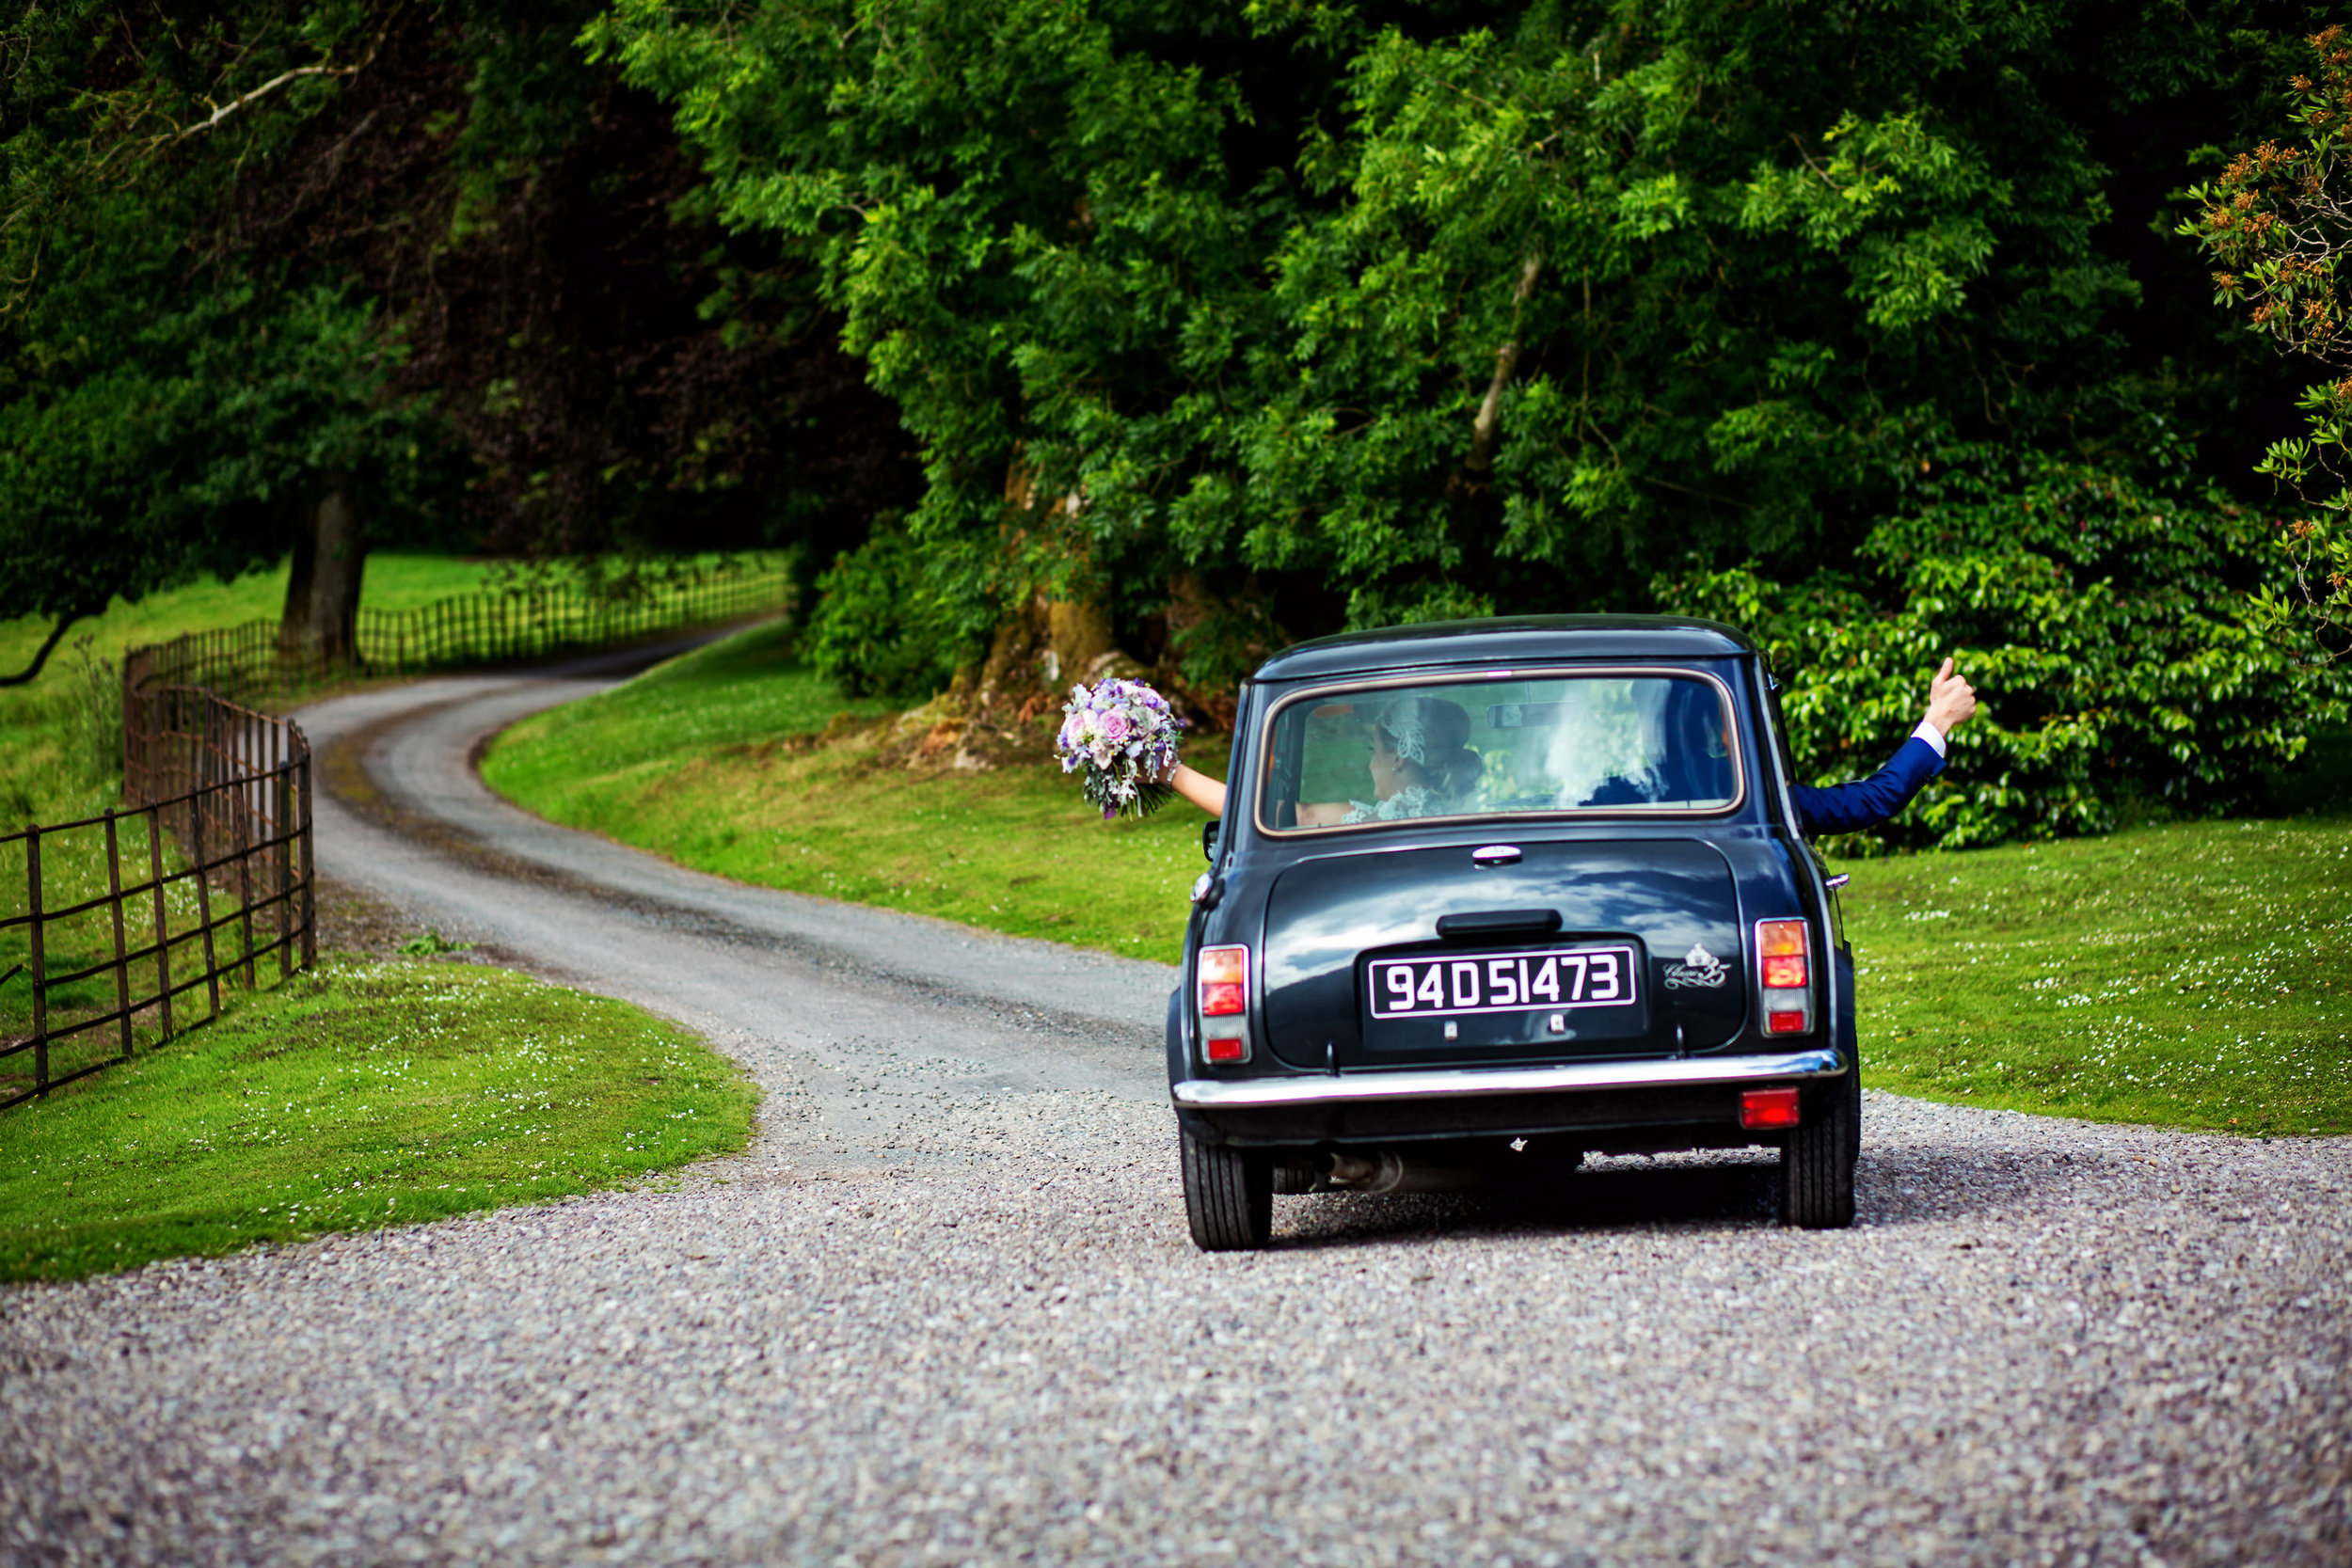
(2178, 974)
(2189, 973)
(356, 1095)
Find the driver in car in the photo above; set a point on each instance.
(1421, 764)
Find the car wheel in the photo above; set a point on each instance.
(1294, 1175)
(1228, 1196)
(1817, 1163)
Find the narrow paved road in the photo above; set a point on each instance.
(944, 1311)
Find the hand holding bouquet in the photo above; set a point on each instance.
(1123, 737)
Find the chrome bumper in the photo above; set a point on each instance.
(1477, 1083)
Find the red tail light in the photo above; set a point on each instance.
(1224, 976)
(1783, 951)
(1768, 1110)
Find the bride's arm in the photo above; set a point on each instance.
(1198, 787)
(1209, 794)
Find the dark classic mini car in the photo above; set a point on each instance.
(1490, 894)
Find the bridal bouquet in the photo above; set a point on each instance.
(1124, 737)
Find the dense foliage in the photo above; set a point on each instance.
(2280, 221)
(1393, 311)
(1234, 321)
(2106, 619)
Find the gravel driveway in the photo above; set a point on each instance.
(944, 1311)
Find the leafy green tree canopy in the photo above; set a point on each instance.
(164, 409)
(1385, 311)
(1452, 309)
(423, 260)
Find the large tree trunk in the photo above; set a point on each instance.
(321, 617)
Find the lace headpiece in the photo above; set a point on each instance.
(1406, 722)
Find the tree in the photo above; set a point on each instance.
(1453, 316)
(487, 256)
(2279, 220)
(165, 410)
(1349, 313)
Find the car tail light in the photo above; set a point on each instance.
(1783, 962)
(1224, 975)
(1227, 1048)
(1768, 1110)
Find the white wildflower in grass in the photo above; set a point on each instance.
(1120, 738)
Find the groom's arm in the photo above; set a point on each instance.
(1849, 808)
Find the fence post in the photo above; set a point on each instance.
(38, 966)
(243, 784)
(113, 904)
(163, 937)
(281, 859)
(310, 862)
(130, 707)
(203, 886)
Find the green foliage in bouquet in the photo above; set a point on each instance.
(2104, 623)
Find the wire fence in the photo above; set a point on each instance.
(528, 621)
(126, 913)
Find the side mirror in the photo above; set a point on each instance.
(1208, 838)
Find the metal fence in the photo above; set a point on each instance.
(211, 871)
(491, 628)
(220, 877)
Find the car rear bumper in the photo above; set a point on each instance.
(1561, 1097)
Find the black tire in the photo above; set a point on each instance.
(1228, 1196)
(1293, 1176)
(1817, 1163)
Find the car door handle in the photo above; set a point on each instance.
(1496, 854)
(1497, 922)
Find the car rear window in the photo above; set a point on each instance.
(1609, 741)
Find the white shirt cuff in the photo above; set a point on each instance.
(1930, 734)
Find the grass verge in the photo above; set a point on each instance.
(356, 1096)
(2177, 973)
(2189, 974)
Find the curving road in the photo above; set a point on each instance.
(944, 1311)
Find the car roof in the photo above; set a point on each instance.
(1506, 640)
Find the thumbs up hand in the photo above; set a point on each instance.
(1950, 700)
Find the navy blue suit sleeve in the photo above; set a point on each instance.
(1849, 808)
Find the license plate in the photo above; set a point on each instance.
(1552, 980)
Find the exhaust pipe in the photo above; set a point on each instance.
(1384, 1171)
